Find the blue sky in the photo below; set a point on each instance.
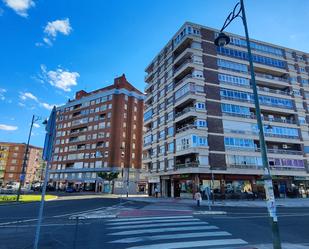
(52, 48)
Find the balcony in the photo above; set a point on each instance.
(277, 91)
(184, 111)
(255, 133)
(149, 77)
(186, 165)
(281, 151)
(185, 128)
(271, 77)
(271, 151)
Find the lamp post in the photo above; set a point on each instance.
(222, 40)
(23, 169)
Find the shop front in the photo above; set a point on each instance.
(185, 185)
(153, 183)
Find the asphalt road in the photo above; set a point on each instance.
(240, 228)
(65, 205)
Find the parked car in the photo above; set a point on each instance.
(70, 190)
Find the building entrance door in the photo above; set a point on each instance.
(168, 188)
(176, 188)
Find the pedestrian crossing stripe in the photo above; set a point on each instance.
(171, 236)
(150, 218)
(160, 225)
(151, 221)
(190, 244)
(163, 230)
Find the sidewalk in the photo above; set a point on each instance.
(297, 202)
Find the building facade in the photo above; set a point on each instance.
(100, 131)
(11, 161)
(200, 120)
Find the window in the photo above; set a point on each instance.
(256, 58)
(184, 90)
(235, 109)
(200, 106)
(256, 46)
(148, 115)
(232, 66)
(170, 131)
(133, 155)
(234, 80)
(190, 141)
(170, 116)
(162, 134)
(171, 147)
(239, 142)
(248, 97)
(162, 150)
(200, 123)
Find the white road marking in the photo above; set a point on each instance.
(17, 222)
(91, 210)
(191, 244)
(160, 225)
(150, 221)
(151, 218)
(259, 216)
(171, 236)
(44, 225)
(163, 230)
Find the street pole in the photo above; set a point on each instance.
(268, 185)
(47, 156)
(38, 228)
(212, 187)
(222, 40)
(22, 175)
(128, 175)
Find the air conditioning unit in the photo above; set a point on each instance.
(284, 146)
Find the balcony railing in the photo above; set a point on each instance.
(185, 110)
(187, 61)
(266, 134)
(183, 79)
(186, 165)
(273, 91)
(271, 77)
(281, 151)
(264, 118)
(251, 166)
(187, 127)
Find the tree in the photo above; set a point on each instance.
(110, 177)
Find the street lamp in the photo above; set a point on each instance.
(22, 175)
(222, 40)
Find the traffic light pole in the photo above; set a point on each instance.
(22, 175)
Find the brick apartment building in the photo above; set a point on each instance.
(200, 115)
(100, 131)
(11, 161)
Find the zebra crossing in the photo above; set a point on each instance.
(168, 232)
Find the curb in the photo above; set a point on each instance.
(210, 212)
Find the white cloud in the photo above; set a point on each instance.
(58, 26)
(8, 127)
(62, 79)
(52, 29)
(20, 6)
(47, 106)
(35, 125)
(28, 95)
(2, 92)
